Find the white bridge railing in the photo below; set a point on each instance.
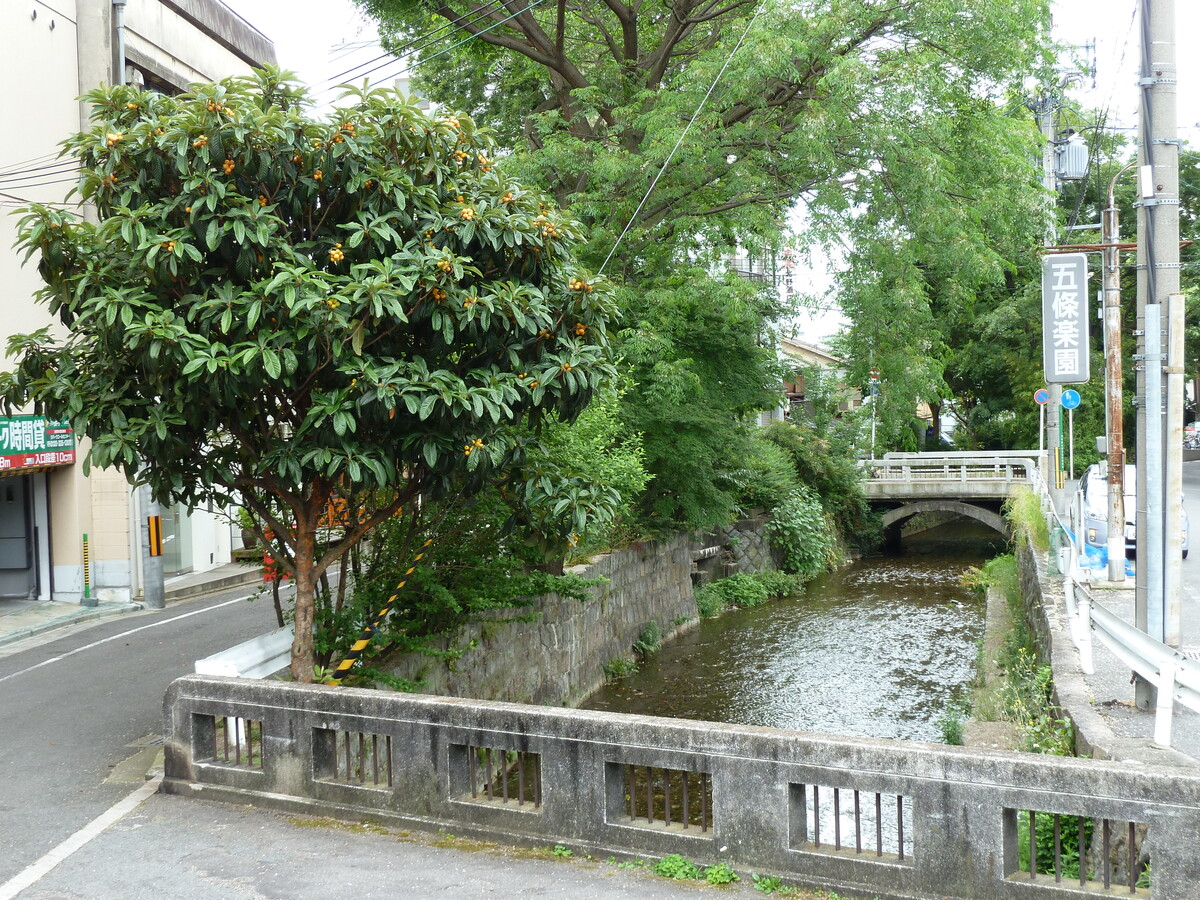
(949, 468)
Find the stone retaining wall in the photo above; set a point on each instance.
(1042, 595)
(555, 655)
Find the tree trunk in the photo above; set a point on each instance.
(302, 643)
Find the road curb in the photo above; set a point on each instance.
(74, 617)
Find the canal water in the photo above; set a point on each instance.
(878, 649)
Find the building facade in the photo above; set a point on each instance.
(63, 535)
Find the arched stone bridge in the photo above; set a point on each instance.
(970, 484)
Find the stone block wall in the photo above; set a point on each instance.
(555, 653)
(747, 548)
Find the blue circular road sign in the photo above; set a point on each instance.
(1041, 395)
(1070, 399)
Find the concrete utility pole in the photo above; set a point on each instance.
(1159, 472)
(1045, 112)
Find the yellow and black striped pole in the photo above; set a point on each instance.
(87, 574)
(369, 630)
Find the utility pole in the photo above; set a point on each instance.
(1159, 472)
(1045, 113)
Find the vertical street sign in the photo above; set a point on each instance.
(1065, 322)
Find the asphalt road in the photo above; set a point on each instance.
(73, 708)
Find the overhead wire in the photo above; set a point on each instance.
(419, 43)
(30, 161)
(683, 136)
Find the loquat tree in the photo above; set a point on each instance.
(296, 313)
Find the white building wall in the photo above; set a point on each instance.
(51, 51)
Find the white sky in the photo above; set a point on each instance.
(308, 33)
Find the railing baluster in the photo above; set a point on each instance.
(667, 797)
(1082, 854)
(521, 778)
(900, 826)
(1132, 860)
(1032, 845)
(704, 801)
(1107, 861)
(878, 824)
(686, 814)
(362, 755)
(649, 794)
(631, 788)
(473, 761)
(837, 820)
(857, 823)
(1057, 850)
(816, 816)
(487, 755)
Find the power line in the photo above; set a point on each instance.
(29, 162)
(419, 42)
(683, 136)
(26, 174)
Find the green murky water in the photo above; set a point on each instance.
(878, 649)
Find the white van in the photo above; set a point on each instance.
(1093, 490)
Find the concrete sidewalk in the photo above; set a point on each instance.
(23, 619)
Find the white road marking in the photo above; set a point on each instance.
(32, 873)
(117, 637)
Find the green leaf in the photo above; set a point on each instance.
(427, 406)
(271, 363)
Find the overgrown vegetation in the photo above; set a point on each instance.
(1024, 694)
(743, 591)
(1025, 515)
(802, 531)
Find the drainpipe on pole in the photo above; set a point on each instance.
(119, 28)
(1114, 390)
(1173, 477)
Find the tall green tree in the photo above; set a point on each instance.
(290, 312)
(812, 99)
(699, 372)
(894, 122)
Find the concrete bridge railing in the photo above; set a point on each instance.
(958, 476)
(885, 818)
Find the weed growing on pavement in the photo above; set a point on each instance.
(675, 866)
(720, 874)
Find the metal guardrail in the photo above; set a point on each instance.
(256, 658)
(1176, 678)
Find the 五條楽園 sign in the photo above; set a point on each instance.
(32, 442)
(1065, 325)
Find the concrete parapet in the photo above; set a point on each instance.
(948, 818)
